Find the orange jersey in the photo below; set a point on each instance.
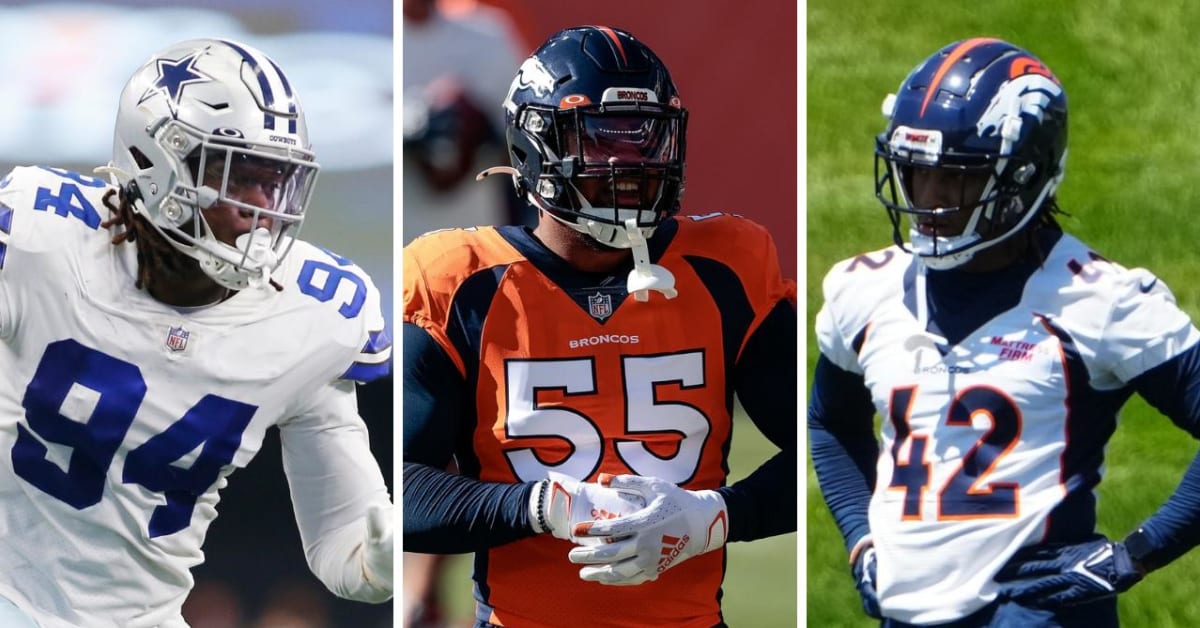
(569, 373)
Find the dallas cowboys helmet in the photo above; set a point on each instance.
(186, 119)
(979, 106)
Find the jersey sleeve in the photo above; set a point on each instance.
(333, 478)
(373, 359)
(830, 328)
(426, 302)
(1144, 327)
(41, 209)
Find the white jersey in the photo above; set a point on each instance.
(121, 417)
(983, 439)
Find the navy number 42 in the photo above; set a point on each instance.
(214, 424)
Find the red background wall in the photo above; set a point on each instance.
(735, 66)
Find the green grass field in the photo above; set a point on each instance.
(760, 578)
(1133, 82)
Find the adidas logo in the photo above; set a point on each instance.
(671, 547)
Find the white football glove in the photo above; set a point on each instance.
(559, 503)
(377, 549)
(675, 525)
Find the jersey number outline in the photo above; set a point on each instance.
(966, 494)
(334, 276)
(214, 425)
(69, 201)
(644, 415)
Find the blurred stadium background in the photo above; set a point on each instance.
(1130, 74)
(736, 72)
(64, 66)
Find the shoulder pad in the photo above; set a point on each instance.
(348, 306)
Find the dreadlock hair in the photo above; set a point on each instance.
(153, 251)
(1045, 221)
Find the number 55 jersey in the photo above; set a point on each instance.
(121, 417)
(567, 372)
(997, 393)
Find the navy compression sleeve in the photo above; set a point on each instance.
(841, 438)
(764, 503)
(446, 513)
(1173, 388)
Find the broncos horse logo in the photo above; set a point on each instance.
(1029, 89)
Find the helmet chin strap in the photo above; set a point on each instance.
(645, 277)
(223, 265)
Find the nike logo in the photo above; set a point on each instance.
(1147, 287)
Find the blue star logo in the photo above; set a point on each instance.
(173, 76)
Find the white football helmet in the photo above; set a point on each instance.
(189, 116)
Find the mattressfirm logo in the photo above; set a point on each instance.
(177, 338)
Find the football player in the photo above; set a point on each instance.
(153, 327)
(998, 350)
(606, 344)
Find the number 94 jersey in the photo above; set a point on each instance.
(121, 417)
(572, 374)
(995, 441)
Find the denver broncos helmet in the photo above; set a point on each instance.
(596, 133)
(978, 106)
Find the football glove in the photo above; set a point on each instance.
(1060, 574)
(377, 550)
(862, 565)
(559, 503)
(675, 525)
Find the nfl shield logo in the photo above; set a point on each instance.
(600, 306)
(177, 338)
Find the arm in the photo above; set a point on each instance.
(334, 481)
(843, 446)
(446, 513)
(764, 503)
(1172, 388)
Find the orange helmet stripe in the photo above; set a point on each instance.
(616, 40)
(953, 58)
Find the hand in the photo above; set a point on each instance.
(862, 565)
(1060, 574)
(559, 503)
(377, 549)
(675, 525)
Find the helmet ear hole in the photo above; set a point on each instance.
(140, 158)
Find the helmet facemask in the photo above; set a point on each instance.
(602, 165)
(237, 208)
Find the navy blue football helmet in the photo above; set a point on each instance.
(979, 106)
(596, 133)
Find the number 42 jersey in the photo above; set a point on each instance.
(120, 417)
(993, 439)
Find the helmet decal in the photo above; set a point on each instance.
(532, 75)
(1027, 94)
(173, 76)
